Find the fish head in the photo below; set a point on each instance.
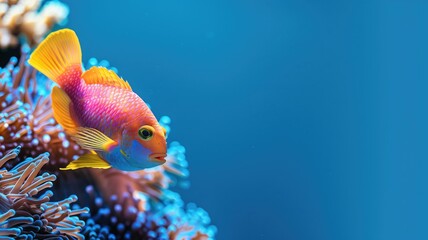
(145, 146)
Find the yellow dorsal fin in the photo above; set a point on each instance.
(88, 160)
(93, 139)
(61, 49)
(101, 75)
(61, 106)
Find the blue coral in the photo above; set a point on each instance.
(145, 209)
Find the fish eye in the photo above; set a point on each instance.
(146, 132)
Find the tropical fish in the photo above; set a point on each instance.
(98, 109)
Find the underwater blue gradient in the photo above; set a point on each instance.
(301, 119)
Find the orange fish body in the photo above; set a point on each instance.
(99, 109)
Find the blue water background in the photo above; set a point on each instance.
(302, 119)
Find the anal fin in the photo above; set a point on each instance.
(88, 160)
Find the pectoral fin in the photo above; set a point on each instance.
(89, 160)
(93, 139)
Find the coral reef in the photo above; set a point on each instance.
(124, 205)
(23, 17)
(25, 207)
(26, 117)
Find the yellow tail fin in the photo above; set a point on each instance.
(61, 49)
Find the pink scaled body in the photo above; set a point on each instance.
(107, 108)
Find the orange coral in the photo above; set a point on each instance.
(23, 17)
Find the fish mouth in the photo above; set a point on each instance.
(158, 158)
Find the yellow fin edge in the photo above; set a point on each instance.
(88, 160)
(101, 75)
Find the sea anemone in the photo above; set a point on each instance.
(26, 117)
(25, 207)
